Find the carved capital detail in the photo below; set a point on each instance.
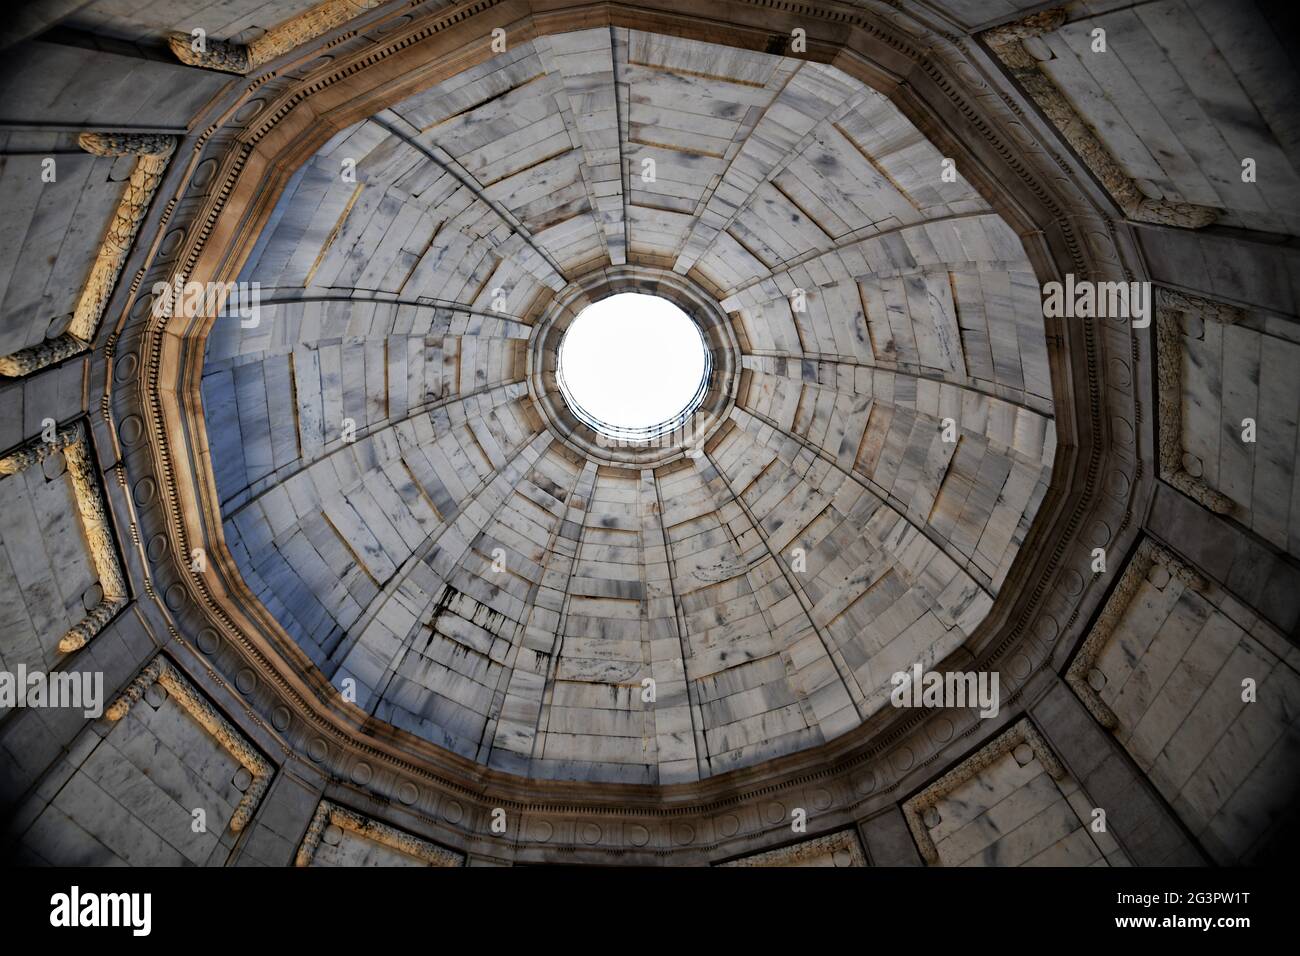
(239, 58)
(1021, 732)
(162, 672)
(1005, 42)
(96, 525)
(328, 813)
(1144, 559)
(1169, 372)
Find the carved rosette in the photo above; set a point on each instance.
(95, 525)
(1170, 304)
(328, 813)
(162, 672)
(1139, 568)
(239, 58)
(1022, 732)
(154, 152)
(1005, 42)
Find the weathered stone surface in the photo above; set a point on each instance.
(454, 578)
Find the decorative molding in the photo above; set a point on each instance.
(799, 853)
(154, 152)
(331, 813)
(157, 145)
(1147, 556)
(216, 55)
(162, 672)
(996, 132)
(1034, 25)
(39, 356)
(1021, 732)
(1005, 42)
(1169, 372)
(1204, 309)
(239, 58)
(96, 527)
(542, 367)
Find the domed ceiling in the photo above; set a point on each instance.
(404, 490)
(360, 582)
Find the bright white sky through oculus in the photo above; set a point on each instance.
(632, 360)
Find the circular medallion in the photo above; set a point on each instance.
(280, 718)
(125, 367)
(203, 174)
(145, 490)
(131, 429)
(209, 642)
(540, 830)
(174, 597)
